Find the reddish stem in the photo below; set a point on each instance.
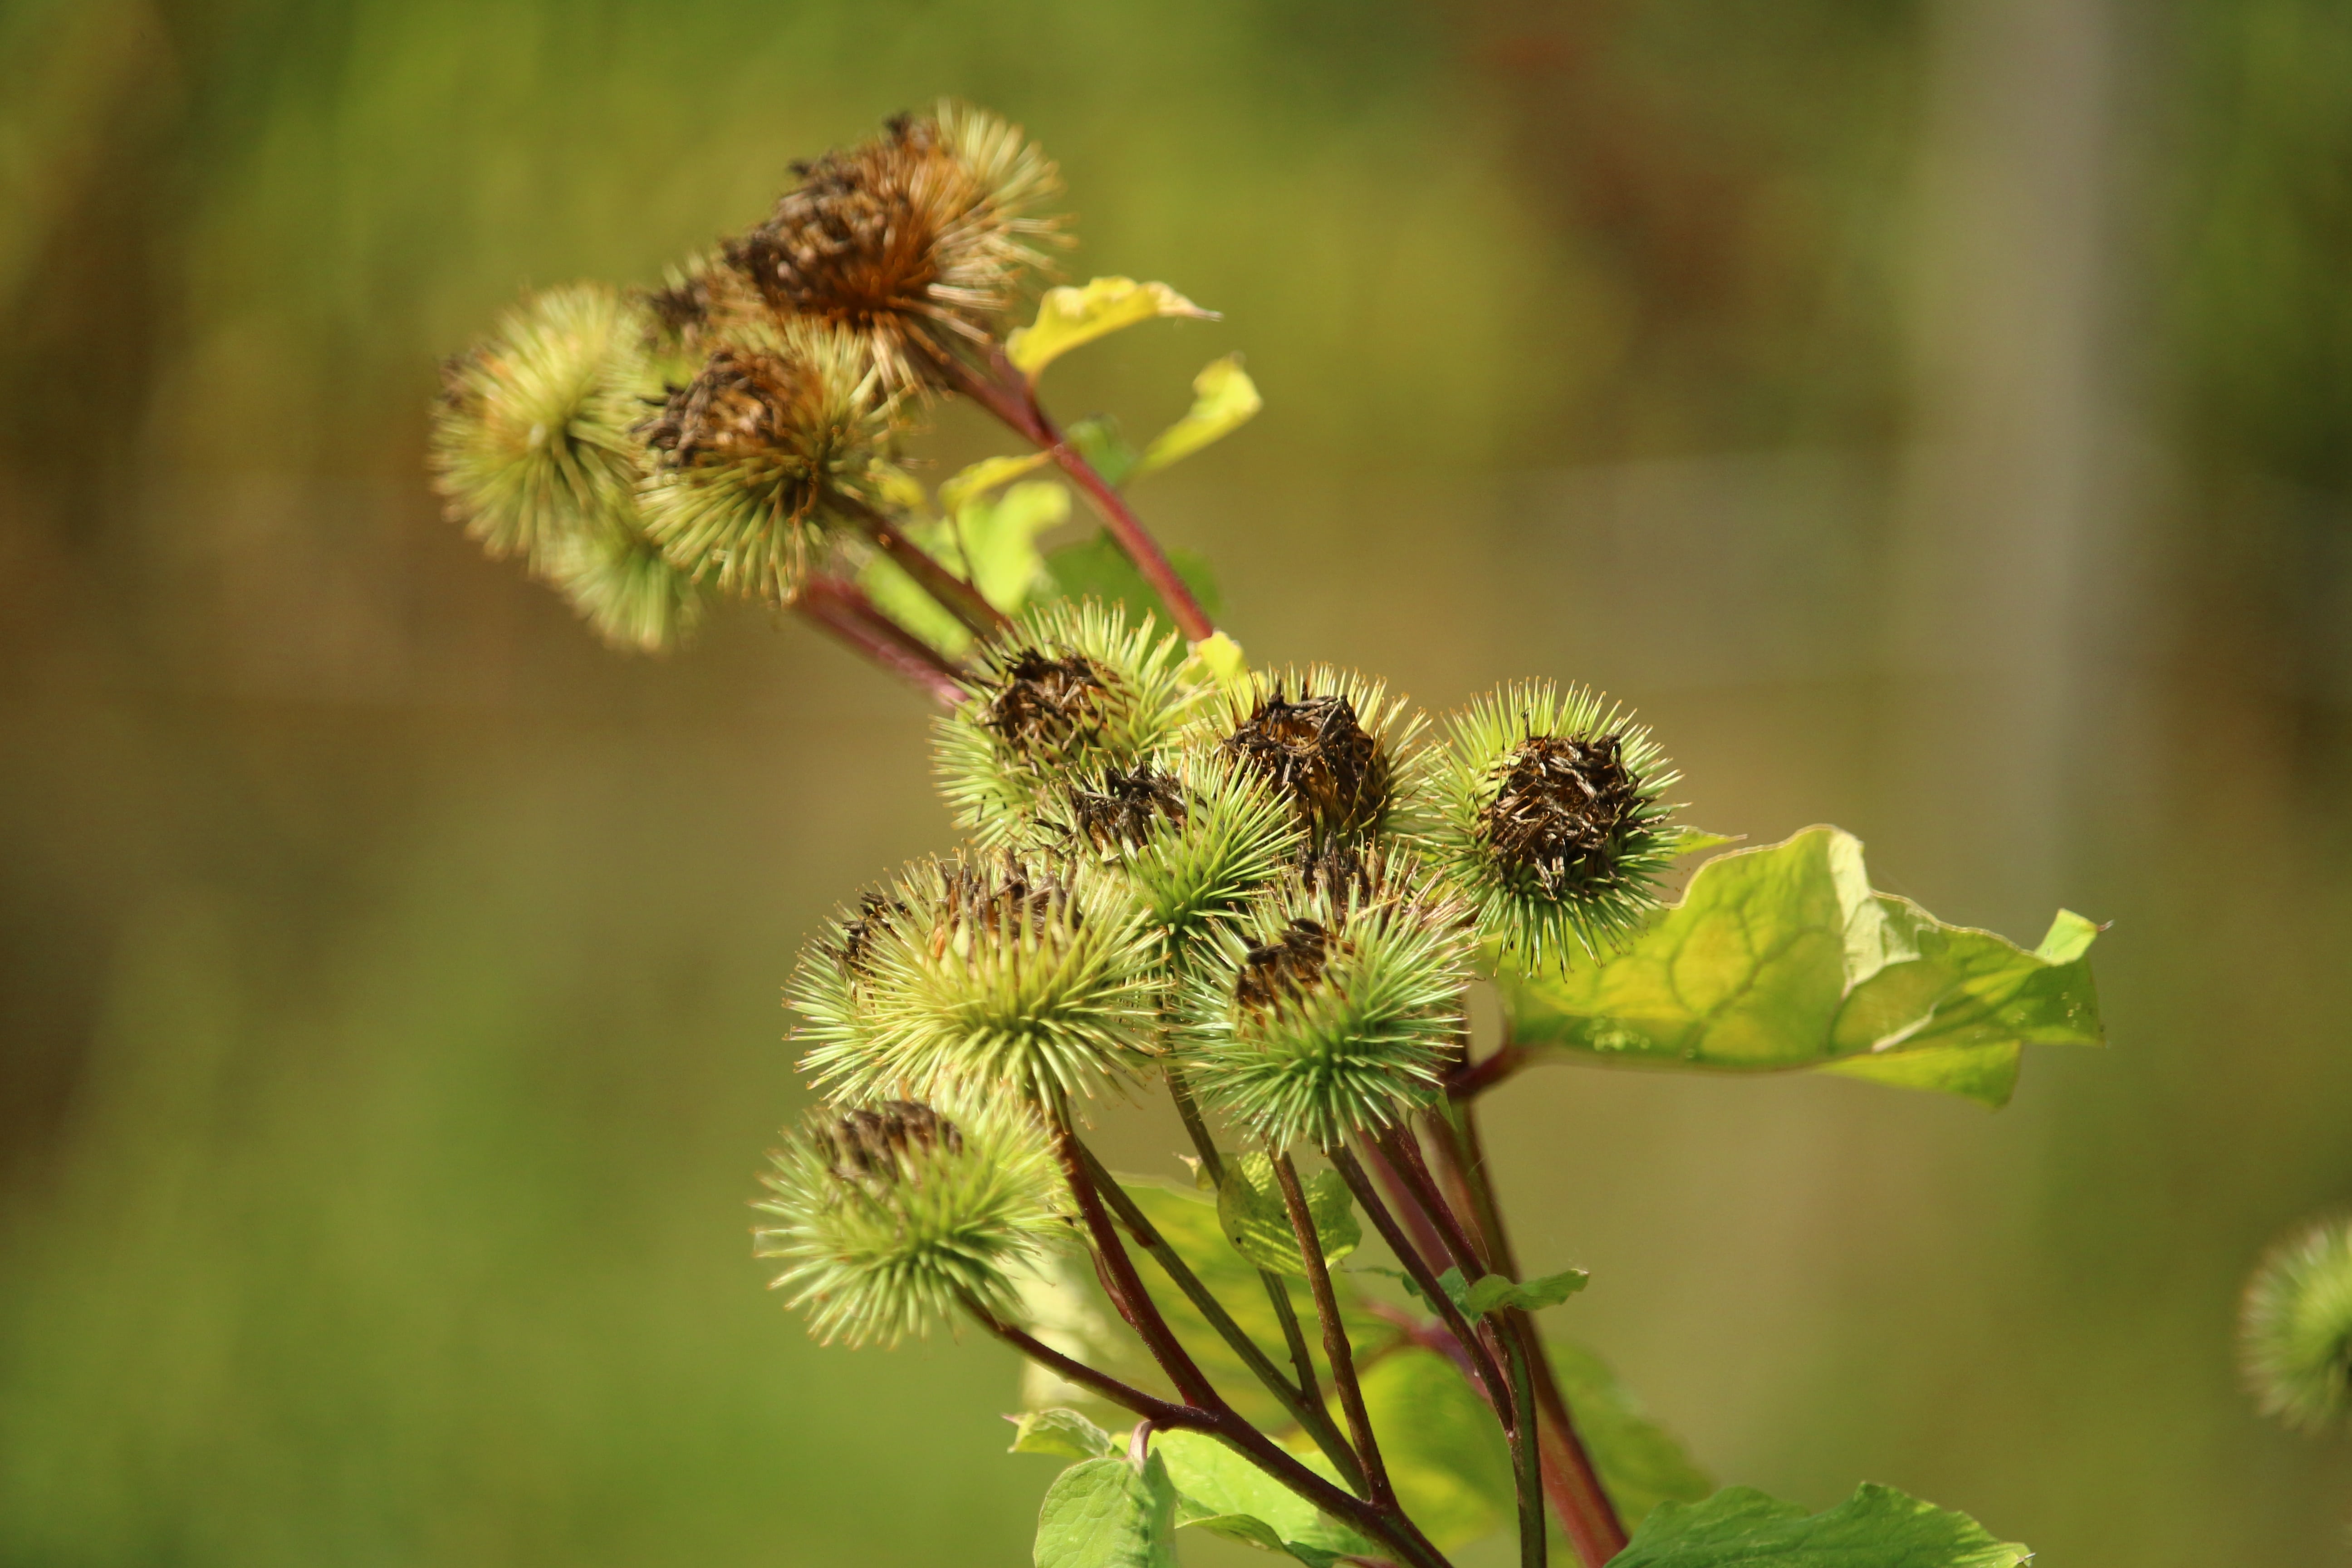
(842, 609)
(1569, 1480)
(955, 595)
(1337, 1351)
(1005, 392)
(1470, 1081)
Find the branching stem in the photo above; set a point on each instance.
(1367, 1198)
(956, 596)
(1336, 1348)
(1307, 1410)
(1003, 391)
(1569, 1480)
(842, 609)
(1188, 1111)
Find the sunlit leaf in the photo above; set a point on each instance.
(1220, 1491)
(1445, 1449)
(1097, 568)
(1783, 957)
(1067, 317)
(1257, 1221)
(1105, 1513)
(984, 476)
(1492, 1292)
(1224, 400)
(1063, 1431)
(998, 540)
(1878, 1527)
(1641, 1463)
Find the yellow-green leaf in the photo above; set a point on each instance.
(1061, 1432)
(1783, 957)
(1257, 1221)
(1878, 1527)
(1224, 400)
(984, 476)
(1067, 317)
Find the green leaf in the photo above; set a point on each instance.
(984, 476)
(1641, 1463)
(1257, 1221)
(1097, 568)
(1104, 1513)
(900, 597)
(1067, 317)
(1878, 1527)
(1187, 1219)
(1063, 1431)
(1783, 957)
(1224, 400)
(1220, 1491)
(1446, 1451)
(998, 540)
(1106, 452)
(1494, 1291)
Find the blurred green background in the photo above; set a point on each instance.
(1934, 415)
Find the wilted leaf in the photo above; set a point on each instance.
(1641, 1463)
(1257, 1221)
(1097, 568)
(1063, 1431)
(1104, 1513)
(1067, 317)
(1220, 1491)
(1224, 400)
(1783, 957)
(1878, 1527)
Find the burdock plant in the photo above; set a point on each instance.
(1272, 895)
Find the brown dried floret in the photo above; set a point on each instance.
(872, 1143)
(1126, 807)
(1287, 967)
(912, 239)
(1042, 705)
(1558, 817)
(1010, 897)
(1317, 751)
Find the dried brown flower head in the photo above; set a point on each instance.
(1039, 705)
(1126, 807)
(873, 1143)
(1287, 967)
(1316, 750)
(912, 240)
(1561, 809)
(750, 454)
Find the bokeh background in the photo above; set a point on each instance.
(1934, 415)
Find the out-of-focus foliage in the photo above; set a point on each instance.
(388, 1004)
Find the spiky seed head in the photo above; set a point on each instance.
(890, 1216)
(981, 976)
(1193, 839)
(2294, 1332)
(754, 456)
(1075, 692)
(627, 589)
(700, 301)
(532, 447)
(913, 240)
(1548, 813)
(1332, 743)
(1331, 1009)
